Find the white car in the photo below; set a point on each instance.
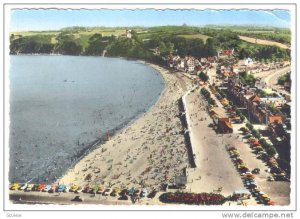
(79, 190)
(47, 188)
(246, 173)
(29, 187)
(67, 189)
(144, 192)
(107, 192)
(23, 186)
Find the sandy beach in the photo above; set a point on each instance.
(153, 150)
(149, 152)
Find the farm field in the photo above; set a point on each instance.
(195, 36)
(263, 42)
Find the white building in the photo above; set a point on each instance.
(277, 101)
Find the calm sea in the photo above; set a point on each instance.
(60, 105)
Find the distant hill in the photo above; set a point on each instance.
(141, 42)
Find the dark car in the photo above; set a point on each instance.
(137, 192)
(123, 197)
(77, 199)
(35, 187)
(256, 171)
(123, 192)
(152, 194)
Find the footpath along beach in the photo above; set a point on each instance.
(149, 152)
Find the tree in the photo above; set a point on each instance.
(271, 151)
(96, 45)
(263, 142)
(286, 109)
(255, 133)
(249, 126)
(238, 112)
(242, 117)
(12, 37)
(70, 48)
(204, 77)
(210, 47)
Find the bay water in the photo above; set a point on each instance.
(61, 105)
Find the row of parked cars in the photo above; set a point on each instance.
(255, 144)
(248, 177)
(95, 189)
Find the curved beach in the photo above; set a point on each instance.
(149, 152)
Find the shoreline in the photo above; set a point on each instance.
(86, 165)
(119, 129)
(100, 137)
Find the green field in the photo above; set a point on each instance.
(195, 36)
(31, 33)
(280, 35)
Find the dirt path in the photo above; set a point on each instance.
(263, 42)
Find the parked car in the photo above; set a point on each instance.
(115, 191)
(107, 192)
(29, 188)
(101, 189)
(256, 171)
(47, 188)
(79, 190)
(137, 192)
(15, 186)
(144, 192)
(73, 188)
(152, 194)
(53, 188)
(61, 188)
(131, 191)
(77, 198)
(95, 189)
(67, 189)
(41, 187)
(87, 189)
(123, 192)
(35, 187)
(23, 186)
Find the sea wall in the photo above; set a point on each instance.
(183, 119)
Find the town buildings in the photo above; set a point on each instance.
(260, 109)
(189, 64)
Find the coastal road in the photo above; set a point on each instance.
(214, 167)
(271, 78)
